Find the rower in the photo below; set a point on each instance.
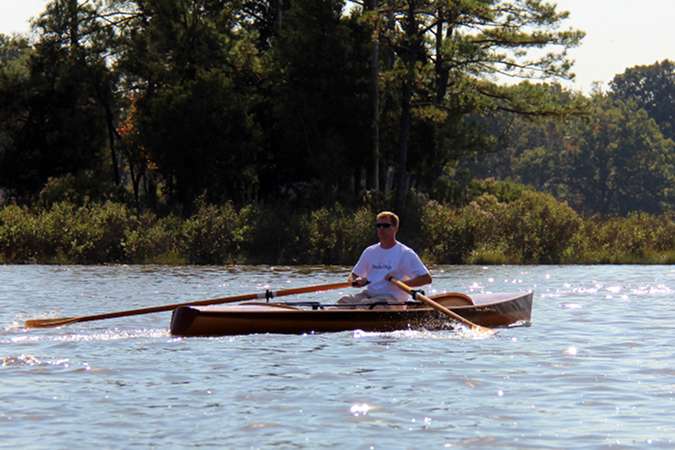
(383, 260)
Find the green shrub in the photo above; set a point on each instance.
(21, 240)
(537, 228)
(503, 191)
(322, 229)
(356, 233)
(534, 228)
(640, 237)
(449, 235)
(214, 235)
(95, 234)
(64, 233)
(338, 237)
(154, 240)
(58, 223)
(274, 235)
(485, 254)
(484, 214)
(81, 189)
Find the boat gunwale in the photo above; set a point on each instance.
(284, 307)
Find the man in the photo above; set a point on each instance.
(383, 260)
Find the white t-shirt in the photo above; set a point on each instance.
(400, 261)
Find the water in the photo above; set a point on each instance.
(595, 369)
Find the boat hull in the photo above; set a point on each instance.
(490, 310)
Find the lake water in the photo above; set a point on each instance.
(596, 369)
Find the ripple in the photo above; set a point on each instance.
(590, 372)
(570, 305)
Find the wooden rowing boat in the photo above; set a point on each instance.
(489, 310)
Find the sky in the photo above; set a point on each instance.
(619, 33)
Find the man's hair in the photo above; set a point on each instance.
(392, 217)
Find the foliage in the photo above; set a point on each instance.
(623, 162)
(538, 229)
(449, 235)
(533, 228)
(640, 237)
(155, 240)
(91, 234)
(285, 113)
(612, 161)
(213, 235)
(19, 235)
(252, 101)
(14, 74)
(57, 105)
(80, 189)
(503, 191)
(651, 88)
(64, 233)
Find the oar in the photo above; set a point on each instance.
(440, 308)
(45, 323)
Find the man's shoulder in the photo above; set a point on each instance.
(405, 248)
(371, 248)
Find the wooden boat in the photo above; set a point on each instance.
(489, 310)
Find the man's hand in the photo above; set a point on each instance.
(358, 281)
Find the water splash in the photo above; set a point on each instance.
(360, 409)
(657, 290)
(459, 332)
(25, 360)
(107, 335)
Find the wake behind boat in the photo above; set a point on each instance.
(488, 310)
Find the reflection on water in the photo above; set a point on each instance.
(593, 371)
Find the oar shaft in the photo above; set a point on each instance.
(44, 323)
(306, 289)
(437, 306)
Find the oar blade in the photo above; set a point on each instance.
(483, 331)
(48, 323)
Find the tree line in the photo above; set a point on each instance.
(159, 103)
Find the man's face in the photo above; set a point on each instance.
(385, 229)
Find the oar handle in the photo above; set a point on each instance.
(46, 323)
(437, 306)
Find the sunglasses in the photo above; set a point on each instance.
(383, 225)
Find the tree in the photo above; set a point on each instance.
(448, 51)
(318, 98)
(623, 162)
(191, 66)
(652, 88)
(63, 126)
(15, 53)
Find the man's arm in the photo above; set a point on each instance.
(414, 282)
(419, 281)
(412, 265)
